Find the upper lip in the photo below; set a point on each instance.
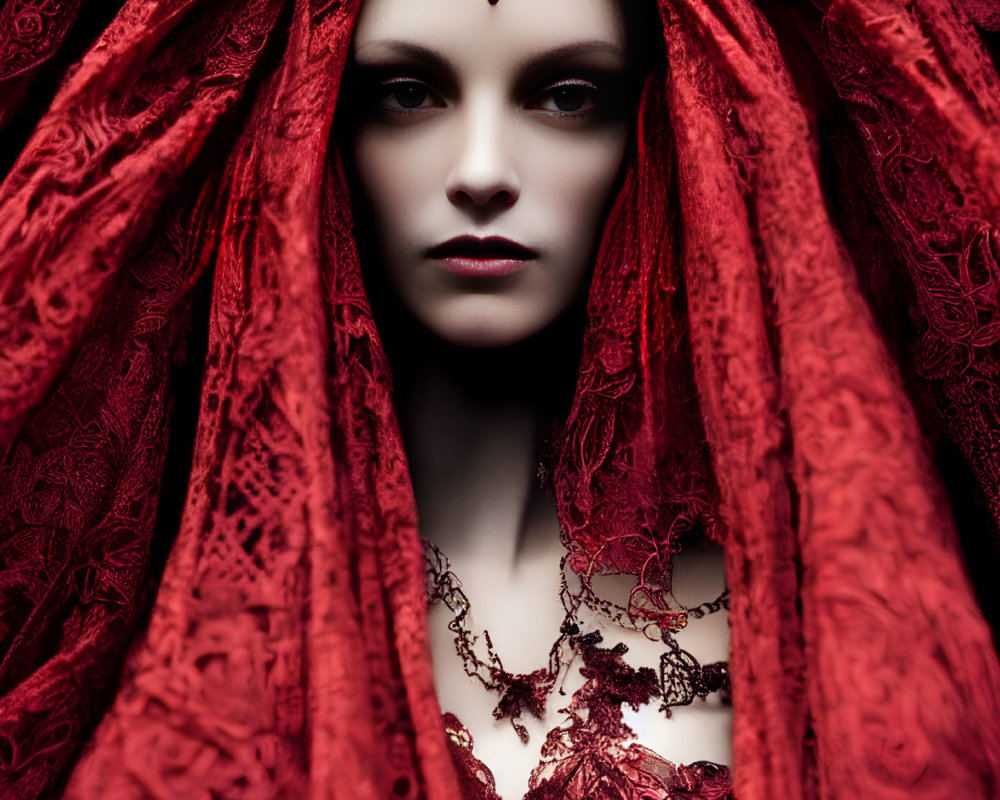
(474, 247)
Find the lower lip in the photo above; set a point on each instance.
(483, 267)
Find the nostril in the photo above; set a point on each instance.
(498, 196)
(483, 179)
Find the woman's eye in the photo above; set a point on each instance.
(407, 95)
(567, 98)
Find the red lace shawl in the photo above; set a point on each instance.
(285, 654)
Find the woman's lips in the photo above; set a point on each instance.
(491, 257)
(483, 267)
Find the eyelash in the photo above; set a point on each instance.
(388, 87)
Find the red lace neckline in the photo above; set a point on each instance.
(591, 757)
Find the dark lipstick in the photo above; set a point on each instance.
(490, 257)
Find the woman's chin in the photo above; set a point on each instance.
(486, 327)
(483, 335)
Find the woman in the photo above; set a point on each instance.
(287, 654)
(488, 144)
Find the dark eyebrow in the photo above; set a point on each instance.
(588, 49)
(546, 59)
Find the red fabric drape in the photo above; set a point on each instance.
(285, 654)
(832, 506)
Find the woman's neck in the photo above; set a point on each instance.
(474, 465)
(475, 423)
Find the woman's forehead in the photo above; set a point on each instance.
(473, 32)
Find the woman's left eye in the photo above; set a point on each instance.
(407, 95)
(568, 98)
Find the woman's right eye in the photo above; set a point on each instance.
(408, 95)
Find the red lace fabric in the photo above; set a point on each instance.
(590, 758)
(734, 384)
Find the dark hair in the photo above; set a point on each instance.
(643, 37)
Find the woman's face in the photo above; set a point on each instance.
(490, 140)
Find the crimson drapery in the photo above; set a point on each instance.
(285, 653)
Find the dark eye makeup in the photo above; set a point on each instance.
(388, 92)
(407, 94)
(568, 97)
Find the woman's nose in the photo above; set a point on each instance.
(482, 177)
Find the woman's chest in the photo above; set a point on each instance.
(534, 694)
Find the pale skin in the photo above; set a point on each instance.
(499, 121)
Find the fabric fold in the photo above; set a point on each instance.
(733, 385)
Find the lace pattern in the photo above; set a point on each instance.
(724, 309)
(590, 756)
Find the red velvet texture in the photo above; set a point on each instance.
(285, 654)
